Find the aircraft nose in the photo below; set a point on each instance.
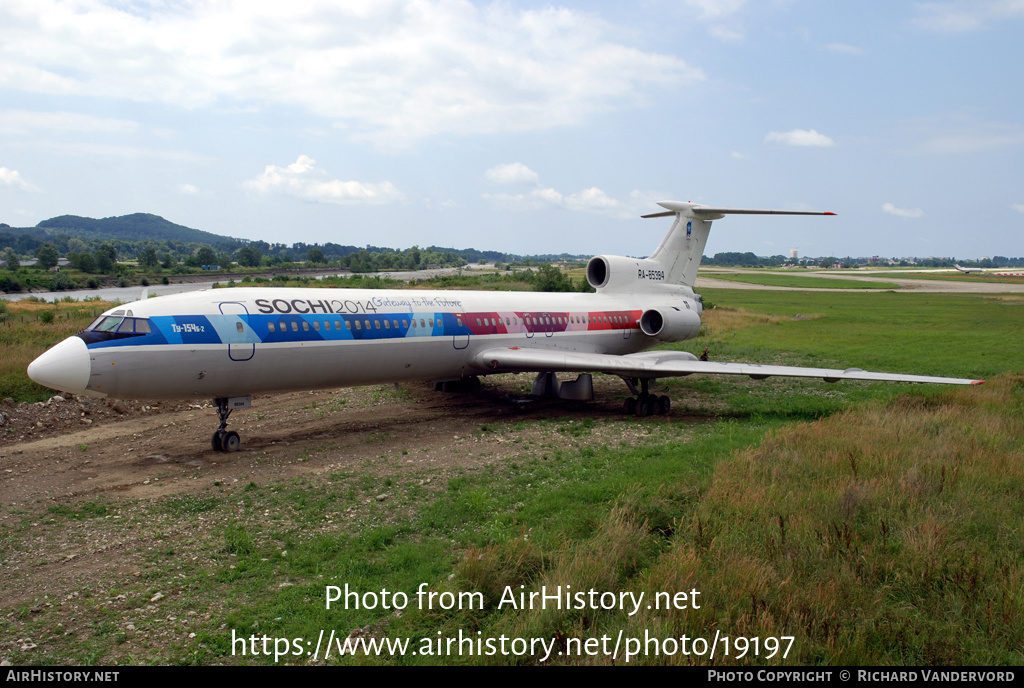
(66, 366)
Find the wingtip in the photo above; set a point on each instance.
(829, 213)
(977, 382)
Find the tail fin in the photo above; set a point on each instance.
(683, 247)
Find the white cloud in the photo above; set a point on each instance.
(965, 15)
(902, 212)
(117, 151)
(713, 9)
(187, 189)
(843, 48)
(27, 121)
(304, 180)
(799, 137)
(512, 173)
(972, 142)
(13, 178)
(592, 200)
(393, 71)
(727, 34)
(960, 133)
(1019, 207)
(736, 155)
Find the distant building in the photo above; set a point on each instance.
(794, 254)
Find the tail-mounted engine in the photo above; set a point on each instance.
(618, 273)
(670, 324)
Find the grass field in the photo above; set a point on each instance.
(986, 278)
(28, 328)
(873, 524)
(799, 281)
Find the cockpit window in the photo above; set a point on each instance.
(108, 324)
(116, 323)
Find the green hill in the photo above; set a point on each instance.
(135, 227)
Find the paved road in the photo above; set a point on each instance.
(916, 285)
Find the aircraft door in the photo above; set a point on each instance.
(237, 333)
(460, 330)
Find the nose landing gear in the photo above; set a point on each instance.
(224, 440)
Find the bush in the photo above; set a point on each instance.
(9, 284)
(61, 282)
(46, 317)
(92, 283)
(165, 280)
(144, 282)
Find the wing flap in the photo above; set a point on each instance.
(665, 364)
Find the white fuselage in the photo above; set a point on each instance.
(238, 342)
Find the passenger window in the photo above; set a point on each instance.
(405, 323)
(395, 323)
(431, 322)
(238, 326)
(327, 325)
(421, 323)
(295, 326)
(358, 326)
(387, 325)
(305, 326)
(367, 323)
(376, 323)
(270, 327)
(414, 323)
(348, 324)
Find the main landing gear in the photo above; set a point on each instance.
(645, 403)
(224, 440)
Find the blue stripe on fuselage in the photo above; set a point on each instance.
(223, 329)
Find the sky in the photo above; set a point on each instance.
(522, 126)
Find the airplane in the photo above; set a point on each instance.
(968, 270)
(229, 344)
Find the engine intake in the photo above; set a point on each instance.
(670, 324)
(618, 273)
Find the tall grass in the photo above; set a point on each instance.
(24, 334)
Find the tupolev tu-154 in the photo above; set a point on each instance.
(228, 344)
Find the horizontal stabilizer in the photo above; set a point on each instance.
(708, 213)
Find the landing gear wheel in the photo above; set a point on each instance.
(630, 406)
(643, 407)
(231, 441)
(216, 442)
(664, 405)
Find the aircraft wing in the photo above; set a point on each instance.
(653, 364)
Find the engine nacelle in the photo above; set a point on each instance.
(670, 324)
(618, 273)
